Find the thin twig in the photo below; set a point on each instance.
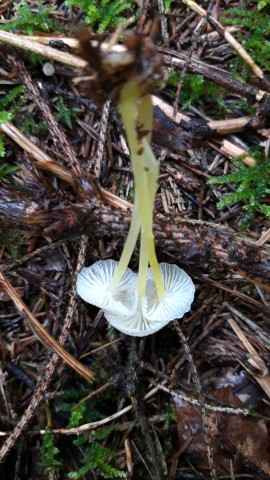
(102, 137)
(197, 384)
(44, 337)
(255, 365)
(92, 425)
(228, 36)
(195, 38)
(49, 369)
(57, 133)
(177, 60)
(39, 45)
(47, 163)
(227, 148)
(212, 408)
(29, 256)
(19, 41)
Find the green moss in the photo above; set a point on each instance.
(7, 115)
(49, 453)
(263, 3)
(65, 113)
(4, 168)
(253, 186)
(167, 5)
(244, 106)
(27, 21)
(11, 96)
(195, 88)
(102, 14)
(13, 240)
(170, 416)
(97, 456)
(254, 36)
(30, 126)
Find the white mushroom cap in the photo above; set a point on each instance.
(121, 305)
(156, 313)
(133, 324)
(93, 287)
(179, 294)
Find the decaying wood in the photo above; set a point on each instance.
(220, 77)
(190, 241)
(175, 133)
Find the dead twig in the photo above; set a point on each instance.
(49, 369)
(92, 425)
(44, 337)
(177, 61)
(230, 39)
(212, 408)
(227, 148)
(102, 137)
(58, 136)
(46, 163)
(19, 41)
(255, 362)
(195, 38)
(197, 384)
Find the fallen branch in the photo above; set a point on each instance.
(46, 163)
(190, 241)
(44, 337)
(177, 61)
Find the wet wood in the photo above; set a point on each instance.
(194, 242)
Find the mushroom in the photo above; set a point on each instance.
(122, 307)
(138, 304)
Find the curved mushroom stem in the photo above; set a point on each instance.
(136, 109)
(129, 246)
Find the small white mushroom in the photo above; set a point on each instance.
(121, 307)
(48, 69)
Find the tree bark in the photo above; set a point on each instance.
(193, 242)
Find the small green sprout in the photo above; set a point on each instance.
(66, 113)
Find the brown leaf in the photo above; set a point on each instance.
(249, 437)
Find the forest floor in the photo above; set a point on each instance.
(192, 400)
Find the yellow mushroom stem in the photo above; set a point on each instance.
(137, 113)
